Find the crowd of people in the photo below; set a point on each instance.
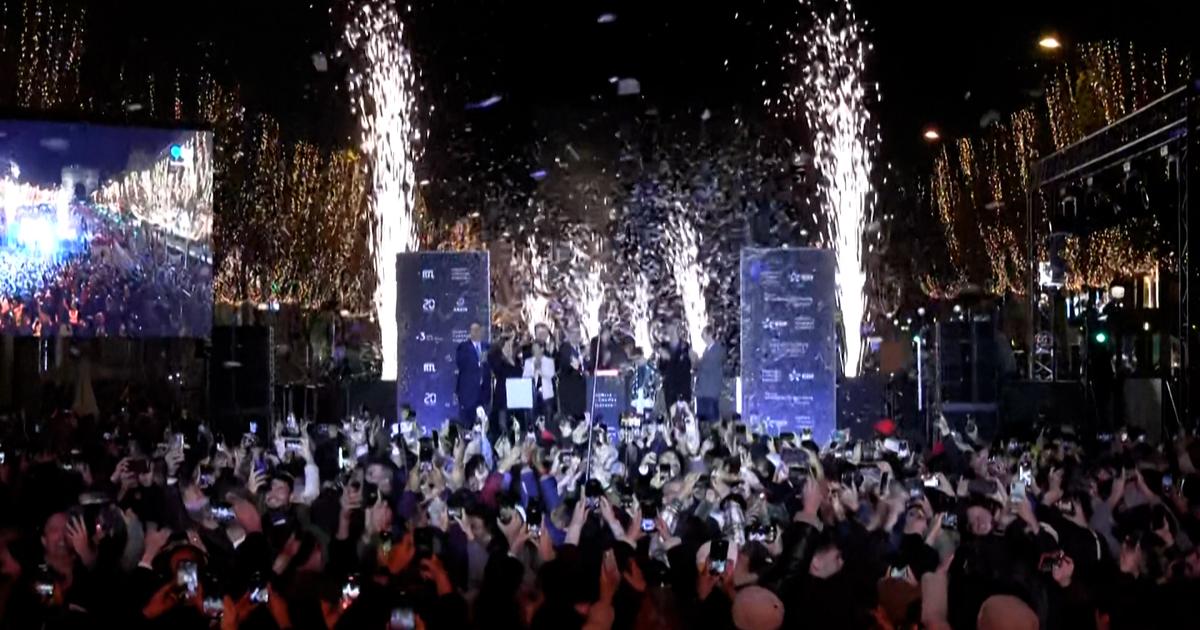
(115, 279)
(681, 521)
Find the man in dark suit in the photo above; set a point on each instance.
(474, 386)
(675, 365)
(572, 386)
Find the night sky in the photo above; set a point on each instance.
(42, 149)
(940, 62)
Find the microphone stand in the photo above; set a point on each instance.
(592, 410)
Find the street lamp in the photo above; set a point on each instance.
(932, 135)
(1049, 42)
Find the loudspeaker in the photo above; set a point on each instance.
(1024, 405)
(241, 372)
(970, 361)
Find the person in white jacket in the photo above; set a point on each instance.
(540, 368)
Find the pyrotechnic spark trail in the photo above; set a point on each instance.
(641, 314)
(835, 105)
(691, 278)
(384, 97)
(591, 296)
(535, 306)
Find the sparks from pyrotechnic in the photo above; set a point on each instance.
(535, 305)
(382, 85)
(691, 278)
(591, 297)
(834, 102)
(640, 313)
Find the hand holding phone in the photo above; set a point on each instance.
(718, 555)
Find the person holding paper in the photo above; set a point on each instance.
(503, 363)
(474, 387)
(540, 368)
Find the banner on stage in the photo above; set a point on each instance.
(439, 295)
(606, 391)
(788, 340)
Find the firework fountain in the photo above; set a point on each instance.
(591, 296)
(535, 305)
(833, 97)
(382, 85)
(691, 278)
(640, 312)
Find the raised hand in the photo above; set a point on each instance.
(379, 517)
(633, 576)
(432, 570)
(155, 540)
(78, 537)
(256, 481)
(401, 554)
(610, 577)
(163, 600)
(174, 458)
(1063, 571)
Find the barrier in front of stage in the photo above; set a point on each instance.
(439, 296)
(788, 343)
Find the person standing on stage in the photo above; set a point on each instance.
(572, 386)
(675, 365)
(540, 368)
(504, 365)
(474, 386)
(643, 382)
(612, 354)
(542, 335)
(710, 377)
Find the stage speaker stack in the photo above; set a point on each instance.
(969, 369)
(241, 377)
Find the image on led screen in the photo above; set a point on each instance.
(105, 231)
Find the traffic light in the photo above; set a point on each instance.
(1100, 337)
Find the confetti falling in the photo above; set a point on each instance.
(691, 277)
(835, 105)
(382, 85)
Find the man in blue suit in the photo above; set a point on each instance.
(474, 381)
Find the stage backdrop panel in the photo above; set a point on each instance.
(789, 344)
(439, 295)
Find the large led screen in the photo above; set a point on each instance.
(105, 231)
